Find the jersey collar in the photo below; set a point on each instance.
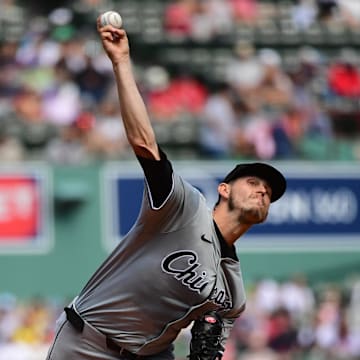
(226, 250)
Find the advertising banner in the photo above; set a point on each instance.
(319, 211)
(24, 213)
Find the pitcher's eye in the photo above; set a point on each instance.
(253, 181)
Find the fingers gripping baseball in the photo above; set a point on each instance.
(114, 41)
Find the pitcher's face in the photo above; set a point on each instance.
(250, 196)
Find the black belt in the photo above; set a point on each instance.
(78, 323)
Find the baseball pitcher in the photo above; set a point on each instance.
(178, 264)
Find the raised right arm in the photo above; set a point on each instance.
(136, 120)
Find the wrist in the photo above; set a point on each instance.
(121, 61)
(122, 66)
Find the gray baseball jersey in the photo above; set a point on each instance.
(167, 271)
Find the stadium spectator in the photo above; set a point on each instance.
(218, 123)
(92, 83)
(110, 131)
(303, 14)
(266, 296)
(211, 19)
(61, 100)
(344, 75)
(288, 132)
(11, 150)
(245, 11)
(350, 11)
(275, 89)
(327, 11)
(281, 332)
(297, 297)
(244, 71)
(253, 137)
(257, 348)
(177, 18)
(28, 124)
(162, 103)
(170, 97)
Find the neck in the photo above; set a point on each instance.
(230, 228)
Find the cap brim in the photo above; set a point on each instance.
(272, 176)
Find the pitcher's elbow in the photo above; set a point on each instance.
(148, 150)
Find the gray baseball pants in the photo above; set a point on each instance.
(90, 344)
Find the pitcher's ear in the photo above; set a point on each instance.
(224, 190)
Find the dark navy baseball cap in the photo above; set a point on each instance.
(272, 176)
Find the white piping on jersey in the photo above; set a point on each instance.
(73, 304)
(173, 322)
(167, 198)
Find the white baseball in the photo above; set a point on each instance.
(111, 18)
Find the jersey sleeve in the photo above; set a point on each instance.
(159, 178)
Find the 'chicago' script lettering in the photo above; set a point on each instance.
(221, 298)
(187, 273)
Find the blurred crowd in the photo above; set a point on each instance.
(58, 102)
(283, 320)
(290, 321)
(26, 327)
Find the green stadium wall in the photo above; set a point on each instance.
(77, 250)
